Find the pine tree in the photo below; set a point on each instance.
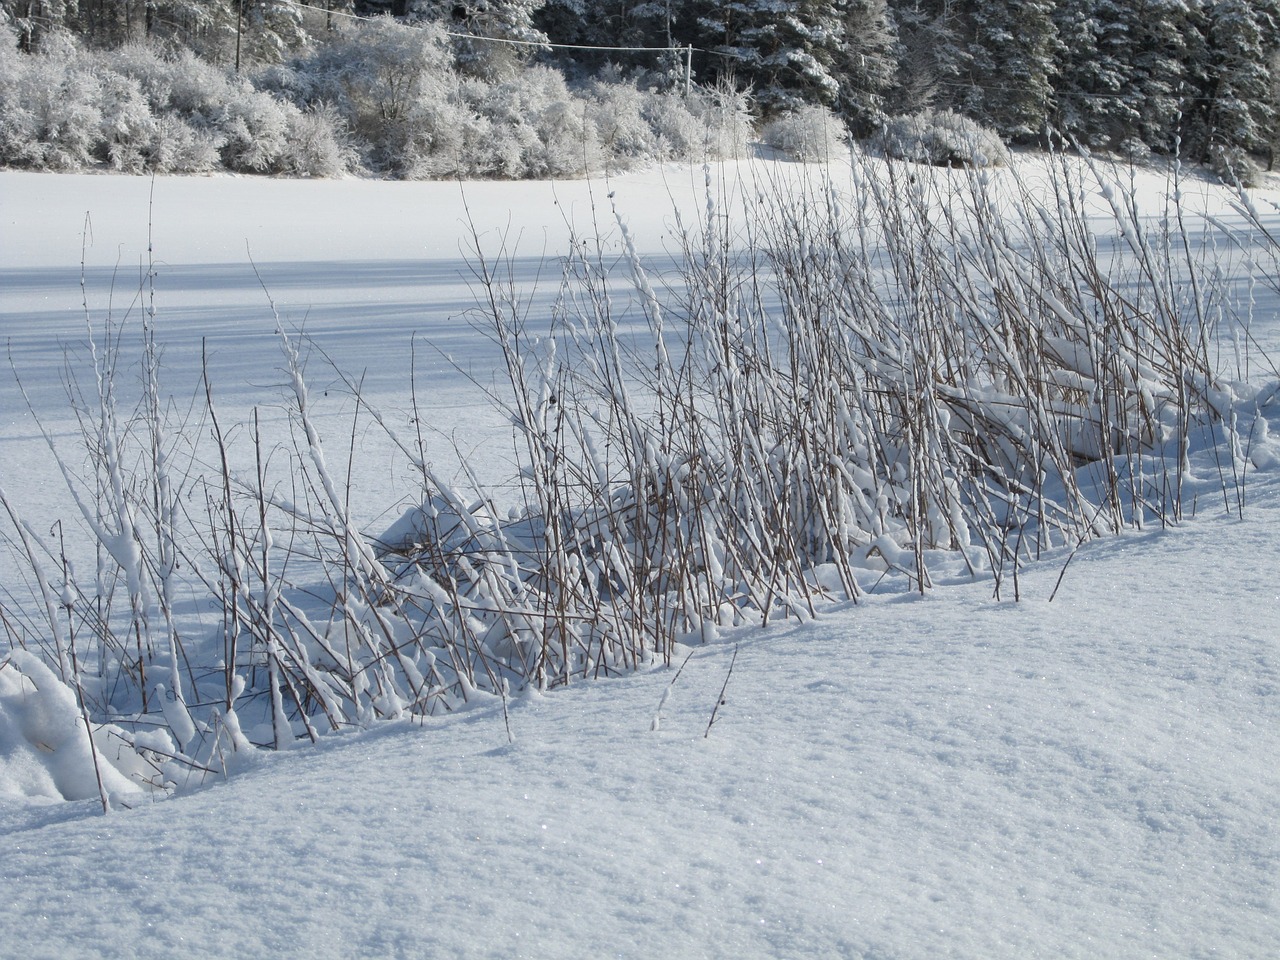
(933, 61)
(621, 23)
(785, 50)
(1163, 43)
(1236, 102)
(511, 23)
(867, 63)
(1094, 73)
(1015, 55)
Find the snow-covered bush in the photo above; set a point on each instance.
(137, 109)
(555, 134)
(679, 133)
(617, 111)
(319, 144)
(180, 147)
(49, 750)
(248, 127)
(446, 137)
(725, 114)
(807, 133)
(128, 129)
(759, 431)
(943, 138)
(382, 79)
(49, 107)
(181, 84)
(255, 131)
(379, 93)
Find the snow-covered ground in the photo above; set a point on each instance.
(944, 775)
(914, 778)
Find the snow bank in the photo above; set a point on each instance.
(45, 749)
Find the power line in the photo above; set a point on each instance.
(689, 49)
(520, 43)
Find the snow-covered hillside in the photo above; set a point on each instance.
(913, 775)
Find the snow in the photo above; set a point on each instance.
(946, 775)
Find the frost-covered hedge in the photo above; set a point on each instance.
(379, 98)
(1234, 166)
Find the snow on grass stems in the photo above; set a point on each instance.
(858, 379)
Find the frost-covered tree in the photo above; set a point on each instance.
(510, 24)
(1164, 41)
(785, 50)
(32, 19)
(932, 57)
(866, 65)
(640, 24)
(619, 23)
(1092, 89)
(1014, 55)
(1237, 109)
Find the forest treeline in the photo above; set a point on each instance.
(1195, 77)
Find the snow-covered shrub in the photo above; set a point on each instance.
(447, 137)
(679, 133)
(255, 130)
(537, 114)
(319, 144)
(207, 108)
(180, 83)
(17, 125)
(792, 418)
(128, 129)
(725, 114)
(47, 751)
(49, 107)
(943, 138)
(131, 109)
(807, 133)
(179, 147)
(382, 78)
(617, 111)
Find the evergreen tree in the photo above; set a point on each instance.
(501, 20)
(1236, 102)
(933, 60)
(866, 66)
(785, 50)
(1093, 76)
(622, 23)
(1014, 54)
(1164, 40)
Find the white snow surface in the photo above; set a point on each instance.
(911, 777)
(917, 777)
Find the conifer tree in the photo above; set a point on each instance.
(785, 50)
(1164, 42)
(1236, 102)
(502, 20)
(867, 64)
(1015, 55)
(1094, 72)
(933, 60)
